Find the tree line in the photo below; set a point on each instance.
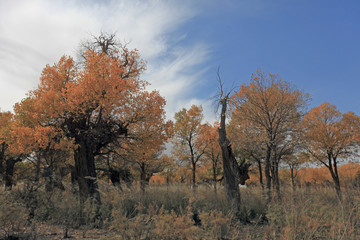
(93, 117)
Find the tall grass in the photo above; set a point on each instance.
(177, 212)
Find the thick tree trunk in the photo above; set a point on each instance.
(231, 171)
(86, 174)
(9, 172)
(230, 176)
(275, 175)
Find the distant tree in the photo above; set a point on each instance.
(147, 145)
(294, 162)
(186, 132)
(209, 136)
(169, 168)
(330, 137)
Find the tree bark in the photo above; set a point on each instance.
(193, 174)
(9, 172)
(214, 176)
(292, 178)
(142, 177)
(193, 165)
(335, 176)
(275, 175)
(37, 168)
(86, 174)
(231, 173)
(260, 173)
(2, 157)
(267, 173)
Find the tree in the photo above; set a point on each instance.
(330, 137)
(234, 172)
(294, 161)
(7, 158)
(209, 137)
(169, 168)
(186, 131)
(42, 145)
(273, 106)
(145, 148)
(94, 105)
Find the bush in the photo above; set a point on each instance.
(13, 216)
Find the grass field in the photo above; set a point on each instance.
(176, 212)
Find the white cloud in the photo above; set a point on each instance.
(36, 33)
(176, 76)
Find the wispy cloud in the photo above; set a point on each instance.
(178, 75)
(36, 33)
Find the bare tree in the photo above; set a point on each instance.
(234, 173)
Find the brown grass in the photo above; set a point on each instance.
(169, 212)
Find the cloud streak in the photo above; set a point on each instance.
(39, 32)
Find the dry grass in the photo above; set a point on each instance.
(176, 212)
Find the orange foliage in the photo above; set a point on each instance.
(158, 179)
(187, 129)
(5, 123)
(327, 131)
(330, 137)
(321, 175)
(212, 165)
(347, 172)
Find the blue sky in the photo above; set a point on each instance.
(312, 44)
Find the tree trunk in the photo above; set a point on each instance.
(142, 177)
(2, 158)
(193, 165)
(267, 173)
(260, 174)
(214, 176)
(276, 177)
(37, 168)
(9, 172)
(335, 177)
(337, 187)
(86, 177)
(292, 179)
(231, 172)
(193, 174)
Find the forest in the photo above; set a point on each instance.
(91, 154)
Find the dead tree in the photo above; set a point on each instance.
(234, 173)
